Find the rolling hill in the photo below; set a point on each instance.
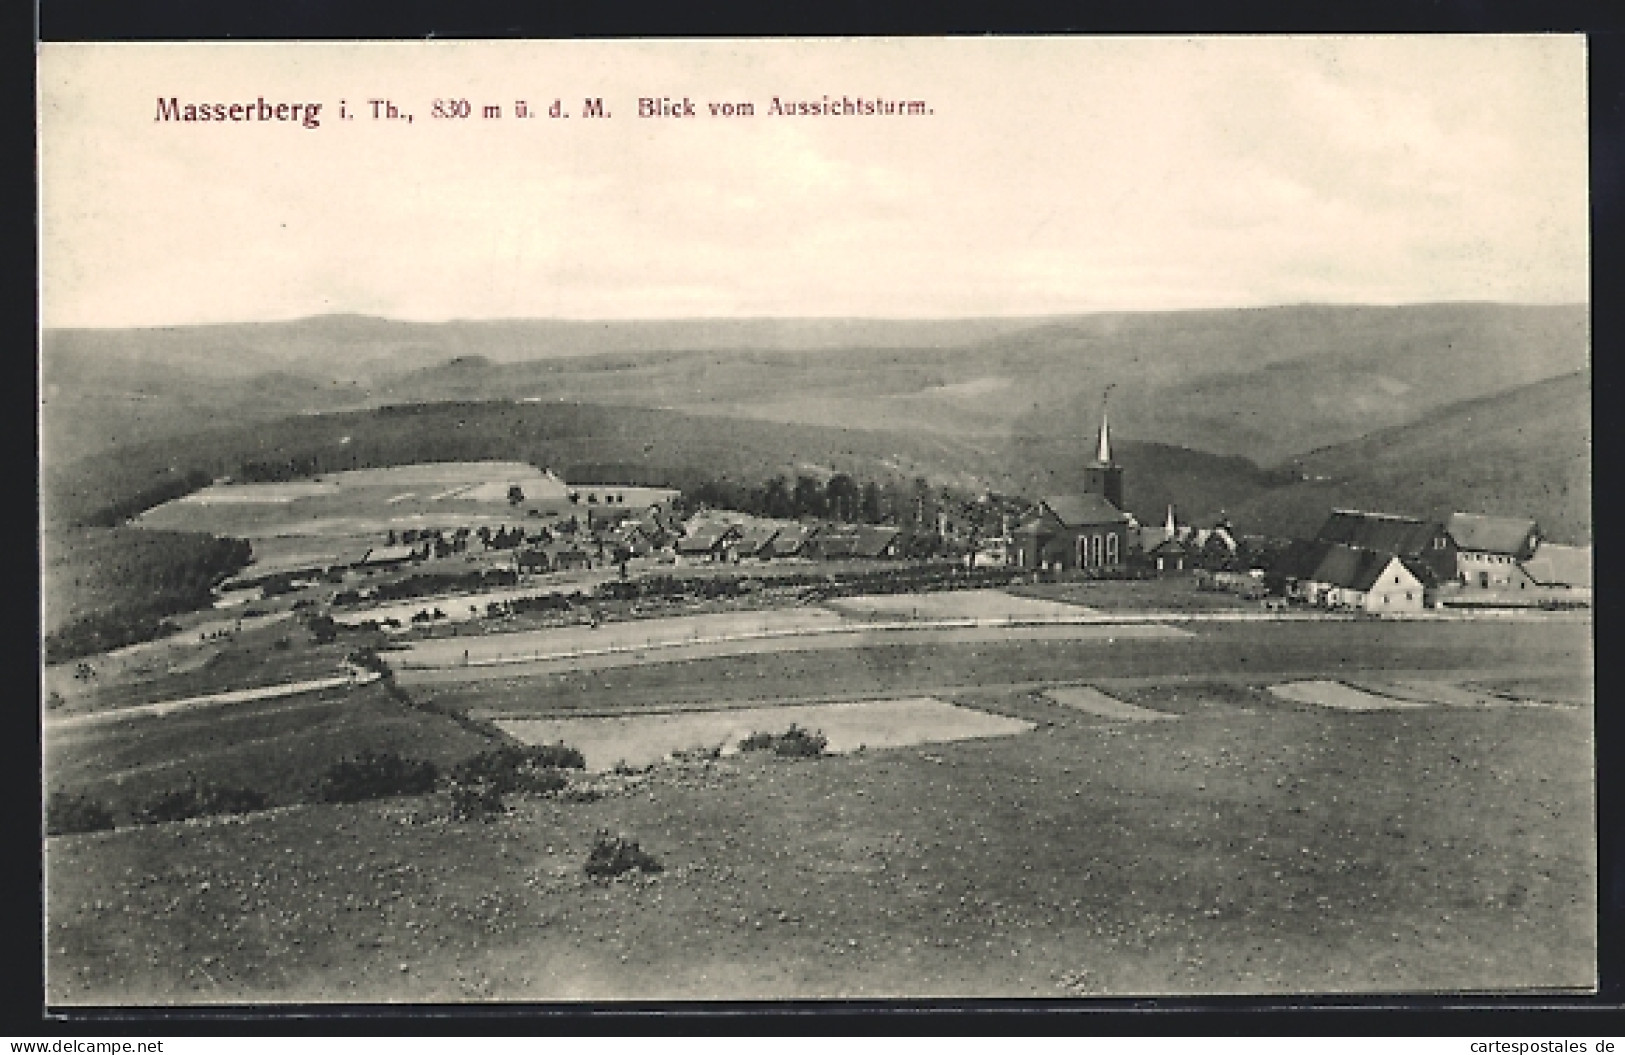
(1526, 452)
(1263, 384)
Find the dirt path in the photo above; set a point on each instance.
(218, 699)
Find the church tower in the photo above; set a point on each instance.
(1103, 476)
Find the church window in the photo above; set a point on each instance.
(1099, 552)
(1111, 549)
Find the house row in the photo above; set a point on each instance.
(1379, 562)
(765, 540)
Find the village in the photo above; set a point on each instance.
(569, 536)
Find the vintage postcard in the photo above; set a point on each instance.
(906, 519)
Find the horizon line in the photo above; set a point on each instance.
(860, 318)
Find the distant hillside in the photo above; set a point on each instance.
(637, 445)
(1521, 453)
(1264, 384)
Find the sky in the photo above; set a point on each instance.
(1051, 175)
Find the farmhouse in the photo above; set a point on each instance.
(792, 540)
(1489, 549)
(1342, 576)
(1088, 530)
(711, 542)
(1422, 543)
(756, 540)
(855, 540)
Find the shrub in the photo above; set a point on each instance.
(476, 802)
(200, 799)
(613, 856)
(792, 743)
(524, 769)
(375, 775)
(67, 814)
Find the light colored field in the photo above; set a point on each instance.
(1098, 703)
(956, 604)
(644, 739)
(1338, 695)
(608, 637)
(547, 659)
(365, 501)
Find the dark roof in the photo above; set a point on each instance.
(1406, 536)
(791, 538)
(1508, 535)
(1300, 558)
(872, 540)
(1169, 547)
(1352, 568)
(1554, 565)
(707, 538)
(757, 537)
(1083, 510)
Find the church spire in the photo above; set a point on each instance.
(1168, 529)
(1103, 450)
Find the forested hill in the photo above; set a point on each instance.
(1526, 452)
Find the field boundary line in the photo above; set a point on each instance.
(218, 699)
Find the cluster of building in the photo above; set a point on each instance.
(1369, 561)
(1378, 562)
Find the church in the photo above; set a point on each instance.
(1088, 530)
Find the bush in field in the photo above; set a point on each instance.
(67, 814)
(524, 769)
(368, 659)
(200, 799)
(476, 802)
(375, 775)
(617, 855)
(792, 743)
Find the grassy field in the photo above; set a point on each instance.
(446, 495)
(1242, 848)
(1241, 650)
(278, 747)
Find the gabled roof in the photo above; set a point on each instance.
(1035, 526)
(1554, 565)
(1300, 558)
(791, 538)
(707, 538)
(872, 540)
(1406, 536)
(1083, 510)
(1169, 547)
(1352, 568)
(757, 537)
(1483, 534)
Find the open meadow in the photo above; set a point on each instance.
(361, 501)
(1150, 819)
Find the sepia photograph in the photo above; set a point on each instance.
(899, 519)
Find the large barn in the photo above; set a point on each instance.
(1088, 530)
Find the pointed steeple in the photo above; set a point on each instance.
(1103, 448)
(1168, 529)
(1103, 476)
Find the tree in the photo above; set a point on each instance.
(841, 493)
(808, 497)
(870, 503)
(516, 496)
(776, 501)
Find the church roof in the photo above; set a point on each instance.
(1085, 509)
